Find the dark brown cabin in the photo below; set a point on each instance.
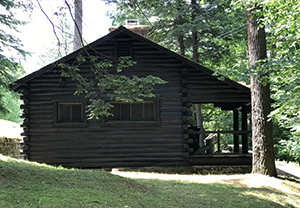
(136, 137)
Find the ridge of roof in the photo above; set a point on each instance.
(14, 86)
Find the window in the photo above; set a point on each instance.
(70, 112)
(133, 112)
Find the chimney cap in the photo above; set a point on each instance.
(132, 22)
(134, 26)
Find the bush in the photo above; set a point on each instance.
(289, 150)
(10, 147)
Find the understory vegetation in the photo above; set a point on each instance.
(28, 184)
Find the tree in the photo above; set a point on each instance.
(9, 66)
(11, 103)
(284, 66)
(102, 81)
(202, 30)
(262, 139)
(117, 87)
(209, 29)
(65, 34)
(78, 25)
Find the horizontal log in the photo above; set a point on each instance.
(174, 109)
(215, 159)
(108, 140)
(105, 132)
(185, 136)
(183, 162)
(103, 139)
(26, 147)
(185, 109)
(106, 151)
(64, 146)
(185, 145)
(26, 139)
(85, 155)
(197, 99)
(205, 95)
(107, 160)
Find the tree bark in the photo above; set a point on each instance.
(194, 33)
(262, 135)
(181, 45)
(180, 36)
(199, 116)
(199, 120)
(77, 42)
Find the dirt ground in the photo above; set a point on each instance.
(288, 170)
(283, 169)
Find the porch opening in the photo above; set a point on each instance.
(213, 130)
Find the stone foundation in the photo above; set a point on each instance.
(203, 170)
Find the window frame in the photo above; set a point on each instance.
(156, 112)
(71, 104)
(57, 100)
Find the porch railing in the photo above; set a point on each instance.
(210, 141)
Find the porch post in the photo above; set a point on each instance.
(236, 142)
(244, 128)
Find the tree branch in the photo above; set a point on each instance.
(76, 25)
(53, 26)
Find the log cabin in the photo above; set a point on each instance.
(155, 132)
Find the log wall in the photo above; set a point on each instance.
(95, 143)
(110, 144)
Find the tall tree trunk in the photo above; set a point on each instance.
(77, 40)
(199, 120)
(179, 21)
(181, 45)
(199, 116)
(262, 136)
(194, 33)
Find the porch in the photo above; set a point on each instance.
(211, 153)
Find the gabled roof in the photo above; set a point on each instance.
(16, 85)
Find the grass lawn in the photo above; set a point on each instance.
(26, 184)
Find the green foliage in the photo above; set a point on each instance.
(10, 147)
(9, 23)
(116, 86)
(221, 30)
(10, 102)
(215, 119)
(282, 66)
(9, 67)
(289, 150)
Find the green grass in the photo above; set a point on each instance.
(25, 184)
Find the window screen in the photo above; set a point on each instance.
(70, 112)
(133, 112)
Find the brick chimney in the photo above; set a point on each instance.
(134, 26)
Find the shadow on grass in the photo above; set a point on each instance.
(232, 194)
(286, 178)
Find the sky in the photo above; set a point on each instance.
(38, 37)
